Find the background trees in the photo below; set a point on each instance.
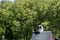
(19, 18)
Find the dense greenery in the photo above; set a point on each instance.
(19, 18)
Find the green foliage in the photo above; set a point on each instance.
(23, 16)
